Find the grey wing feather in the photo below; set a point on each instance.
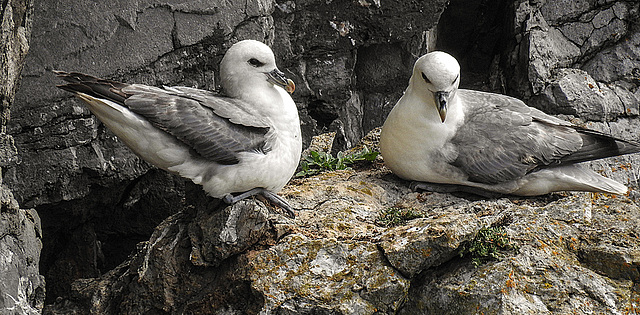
(503, 139)
(236, 111)
(188, 118)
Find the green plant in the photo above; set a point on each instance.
(489, 244)
(396, 216)
(317, 162)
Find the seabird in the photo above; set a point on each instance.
(244, 142)
(448, 139)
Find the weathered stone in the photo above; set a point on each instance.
(545, 276)
(351, 62)
(228, 232)
(577, 93)
(617, 62)
(301, 275)
(612, 32)
(603, 18)
(596, 37)
(429, 242)
(613, 261)
(548, 50)
(21, 285)
(333, 258)
(577, 32)
(564, 10)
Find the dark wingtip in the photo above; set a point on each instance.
(83, 83)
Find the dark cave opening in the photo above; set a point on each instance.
(473, 32)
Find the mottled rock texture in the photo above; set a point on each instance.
(351, 61)
(21, 285)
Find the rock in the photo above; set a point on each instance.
(577, 32)
(302, 275)
(21, 285)
(552, 272)
(429, 242)
(617, 62)
(575, 252)
(549, 50)
(238, 228)
(577, 93)
(560, 35)
(564, 10)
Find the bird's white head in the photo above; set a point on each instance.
(249, 64)
(438, 75)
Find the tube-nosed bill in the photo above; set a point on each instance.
(278, 78)
(441, 102)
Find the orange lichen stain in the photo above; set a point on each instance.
(509, 284)
(542, 244)
(633, 307)
(572, 244)
(425, 252)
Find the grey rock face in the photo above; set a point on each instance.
(556, 37)
(21, 285)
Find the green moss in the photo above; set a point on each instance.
(318, 162)
(396, 216)
(489, 244)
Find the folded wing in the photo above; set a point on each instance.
(503, 139)
(214, 126)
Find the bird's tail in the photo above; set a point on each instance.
(90, 85)
(597, 145)
(588, 180)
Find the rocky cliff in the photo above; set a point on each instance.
(21, 285)
(121, 236)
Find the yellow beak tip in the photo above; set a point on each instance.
(291, 87)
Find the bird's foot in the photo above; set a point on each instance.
(452, 188)
(269, 195)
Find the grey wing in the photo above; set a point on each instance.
(191, 120)
(501, 140)
(236, 111)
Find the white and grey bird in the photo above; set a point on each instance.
(486, 143)
(244, 142)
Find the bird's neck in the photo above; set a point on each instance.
(272, 101)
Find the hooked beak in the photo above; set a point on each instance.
(441, 103)
(276, 77)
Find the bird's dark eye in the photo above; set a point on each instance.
(425, 78)
(255, 62)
